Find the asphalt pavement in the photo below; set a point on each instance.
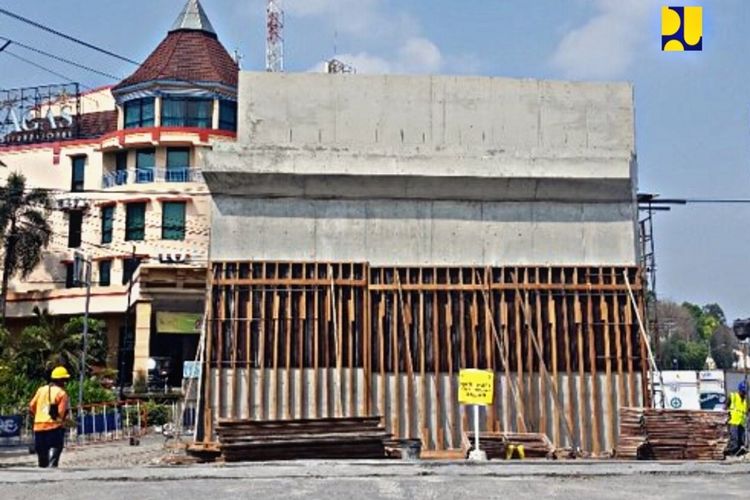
(335, 480)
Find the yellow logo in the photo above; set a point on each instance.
(681, 28)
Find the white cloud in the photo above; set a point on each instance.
(608, 44)
(416, 55)
(420, 55)
(391, 40)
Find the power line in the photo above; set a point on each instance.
(43, 68)
(58, 58)
(67, 37)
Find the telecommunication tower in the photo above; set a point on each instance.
(274, 38)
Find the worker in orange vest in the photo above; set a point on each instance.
(50, 407)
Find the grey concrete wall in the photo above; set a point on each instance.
(405, 170)
(408, 232)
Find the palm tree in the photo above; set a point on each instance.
(24, 227)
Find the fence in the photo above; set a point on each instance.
(104, 422)
(15, 427)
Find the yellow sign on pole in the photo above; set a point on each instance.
(476, 387)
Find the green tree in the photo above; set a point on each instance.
(723, 344)
(716, 311)
(50, 342)
(684, 354)
(25, 229)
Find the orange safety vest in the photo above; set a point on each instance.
(45, 397)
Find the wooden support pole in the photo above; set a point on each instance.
(583, 412)
(543, 365)
(502, 346)
(337, 340)
(595, 414)
(406, 322)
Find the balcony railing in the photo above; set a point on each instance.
(150, 175)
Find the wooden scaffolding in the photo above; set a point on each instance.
(319, 339)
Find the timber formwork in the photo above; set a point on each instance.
(317, 339)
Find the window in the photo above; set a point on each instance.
(173, 220)
(135, 222)
(108, 218)
(69, 275)
(228, 115)
(77, 173)
(128, 268)
(105, 272)
(186, 112)
(75, 224)
(139, 113)
(121, 168)
(145, 160)
(178, 165)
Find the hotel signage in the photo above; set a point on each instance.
(39, 114)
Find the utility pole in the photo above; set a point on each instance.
(126, 334)
(78, 262)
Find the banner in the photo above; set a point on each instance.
(179, 323)
(10, 426)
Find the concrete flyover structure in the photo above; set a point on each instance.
(372, 235)
(452, 170)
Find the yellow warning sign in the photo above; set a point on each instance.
(476, 387)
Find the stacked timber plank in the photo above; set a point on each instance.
(660, 434)
(325, 438)
(632, 435)
(497, 444)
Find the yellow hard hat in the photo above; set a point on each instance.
(60, 373)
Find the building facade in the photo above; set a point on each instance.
(129, 195)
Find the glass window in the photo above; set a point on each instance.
(75, 224)
(121, 168)
(228, 115)
(135, 222)
(69, 276)
(145, 160)
(77, 173)
(108, 218)
(129, 265)
(173, 220)
(186, 112)
(105, 272)
(178, 164)
(139, 113)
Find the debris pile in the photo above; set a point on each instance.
(660, 434)
(502, 445)
(325, 438)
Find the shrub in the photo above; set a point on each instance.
(157, 414)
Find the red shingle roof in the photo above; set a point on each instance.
(187, 55)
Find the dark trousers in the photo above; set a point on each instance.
(736, 439)
(49, 446)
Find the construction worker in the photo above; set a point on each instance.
(737, 416)
(50, 407)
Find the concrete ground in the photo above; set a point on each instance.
(112, 454)
(385, 480)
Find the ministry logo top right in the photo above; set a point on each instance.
(681, 29)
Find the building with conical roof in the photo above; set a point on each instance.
(130, 197)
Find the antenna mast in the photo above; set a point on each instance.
(274, 39)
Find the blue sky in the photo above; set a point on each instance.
(692, 109)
